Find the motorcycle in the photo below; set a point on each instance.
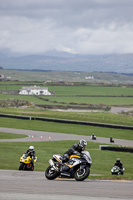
(26, 163)
(78, 167)
(117, 171)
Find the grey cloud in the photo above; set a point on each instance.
(81, 26)
(72, 12)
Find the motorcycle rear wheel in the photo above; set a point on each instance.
(82, 174)
(51, 174)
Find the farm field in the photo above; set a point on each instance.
(92, 90)
(109, 101)
(71, 90)
(109, 96)
(98, 99)
(32, 99)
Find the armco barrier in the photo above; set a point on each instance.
(111, 148)
(15, 116)
(68, 121)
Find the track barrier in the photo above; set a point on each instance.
(113, 148)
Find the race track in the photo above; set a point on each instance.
(44, 136)
(24, 185)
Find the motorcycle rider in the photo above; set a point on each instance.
(76, 147)
(31, 153)
(119, 164)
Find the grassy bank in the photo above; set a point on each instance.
(100, 117)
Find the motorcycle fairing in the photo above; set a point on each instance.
(26, 159)
(57, 157)
(74, 156)
(73, 162)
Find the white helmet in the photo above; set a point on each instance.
(118, 160)
(82, 144)
(31, 148)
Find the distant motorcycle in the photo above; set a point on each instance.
(117, 171)
(77, 167)
(26, 164)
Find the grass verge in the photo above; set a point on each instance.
(11, 136)
(99, 117)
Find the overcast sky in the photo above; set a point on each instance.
(76, 26)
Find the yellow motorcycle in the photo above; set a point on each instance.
(27, 163)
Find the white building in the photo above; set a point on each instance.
(89, 77)
(2, 77)
(34, 90)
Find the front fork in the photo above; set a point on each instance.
(53, 165)
(82, 167)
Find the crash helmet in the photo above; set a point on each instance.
(82, 144)
(118, 160)
(31, 148)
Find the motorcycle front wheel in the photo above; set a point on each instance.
(82, 174)
(32, 168)
(21, 167)
(51, 174)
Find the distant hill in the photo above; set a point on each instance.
(62, 61)
(67, 76)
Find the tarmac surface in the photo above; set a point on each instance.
(24, 185)
(37, 136)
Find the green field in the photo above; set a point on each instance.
(72, 90)
(74, 95)
(91, 90)
(110, 101)
(21, 97)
